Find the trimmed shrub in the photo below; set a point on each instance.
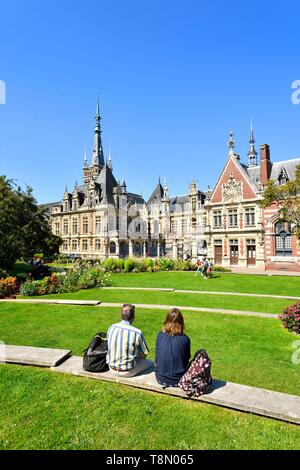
(149, 264)
(221, 269)
(120, 263)
(110, 265)
(8, 287)
(180, 265)
(140, 266)
(129, 265)
(166, 264)
(290, 318)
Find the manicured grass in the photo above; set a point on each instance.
(48, 411)
(247, 350)
(254, 304)
(257, 284)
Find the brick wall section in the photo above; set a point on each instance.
(233, 168)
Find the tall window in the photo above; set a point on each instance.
(57, 228)
(84, 245)
(184, 226)
(65, 245)
(250, 216)
(74, 226)
(283, 237)
(233, 217)
(85, 225)
(98, 245)
(174, 226)
(66, 227)
(98, 224)
(217, 219)
(74, 245)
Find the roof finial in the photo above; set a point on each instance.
(109, 161)
(231, 143)
(165, 188)
(85, 164)
(252, 154)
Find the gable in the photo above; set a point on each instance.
(233, 183)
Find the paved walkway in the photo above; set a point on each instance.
(238, 397)
(142, 306)
(187, 291)
(54, 301)
(268, 272)
(194, 309)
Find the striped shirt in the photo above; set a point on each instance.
(125, 343)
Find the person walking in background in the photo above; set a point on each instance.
(173, 350)
(199, 265)
(210, 268)
(205, 268)
(127, 348)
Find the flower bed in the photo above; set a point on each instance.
(71, 282)
(8, 287)
(290, 318)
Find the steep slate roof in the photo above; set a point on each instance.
(157, 194)
(135, 198)
(107, 183)
(50, 205)
(288, 165)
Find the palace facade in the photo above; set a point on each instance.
(101, 218)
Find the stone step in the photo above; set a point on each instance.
(238, 397)
(27, 355)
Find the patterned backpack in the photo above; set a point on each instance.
(197, 380)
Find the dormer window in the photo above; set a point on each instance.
(283, 177)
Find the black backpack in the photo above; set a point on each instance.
(94, 359)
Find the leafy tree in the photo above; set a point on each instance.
(287, 199)
(24, 226)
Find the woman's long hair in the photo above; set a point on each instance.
(174, 323)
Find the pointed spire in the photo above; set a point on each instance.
(98, 157)
(231, 143)
(109, 161)
(165, 188)
(252, 154)
(85, 162)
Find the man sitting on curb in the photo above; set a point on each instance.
(127, 348)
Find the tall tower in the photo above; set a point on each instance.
(98, 156)
(252, 154)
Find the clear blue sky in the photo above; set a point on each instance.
(173, 77)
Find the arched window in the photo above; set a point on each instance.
(112, 248)
(283, 238)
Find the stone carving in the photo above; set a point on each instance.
(232, 190)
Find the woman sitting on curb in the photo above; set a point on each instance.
(173, 350)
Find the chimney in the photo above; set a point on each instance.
(265, 164)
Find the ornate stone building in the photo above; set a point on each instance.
(239, 231)
(101, 218)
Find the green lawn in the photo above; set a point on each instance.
(255, 304)
(43, 410)
(258, 284)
